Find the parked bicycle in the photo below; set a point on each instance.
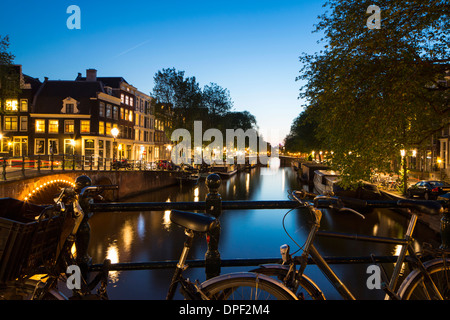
(233, 286)
(430, 270)
(37, 264)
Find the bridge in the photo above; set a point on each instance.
(38, 179)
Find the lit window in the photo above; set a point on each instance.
(85, 126)
(108, 128)
(40, 126)
(101, 127)
(122, 98)
(127, 100)
(11, 105)
(24, 105)
(69, 126)
(53, 126)
(10, 124)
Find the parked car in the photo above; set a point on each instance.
(167, 165)
(428, 189)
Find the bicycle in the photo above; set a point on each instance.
(239, 285)
(429, 278)
(38, 279)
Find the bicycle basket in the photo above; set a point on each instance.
(25, 243)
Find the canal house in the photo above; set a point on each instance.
(74, 118)
(17, 95)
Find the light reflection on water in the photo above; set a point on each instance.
(149, 236)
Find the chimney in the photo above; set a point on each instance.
(91, 75)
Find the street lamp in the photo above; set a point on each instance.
(115, 134)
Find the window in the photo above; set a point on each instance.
(89, 147)
(69, 126)
(24, 123)
(11, 105)
(24, 105)
(122, 98)
(126, 114)
(53, 146)
(69, 108)
(101, 127)
(121, 114)
(85, 126)
(53, 126)
(10, 123)
(131, 101)
(101, 110)
(40, 126)
(108, 111)
(69, 146)
(127, 100)
(108, 128)
(39, 146)
(116, 113)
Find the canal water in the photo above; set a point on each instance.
(149, 236)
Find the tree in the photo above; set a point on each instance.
(9, 75)
(218, 102)
(375, 92)
(303, 136)
(182, 93)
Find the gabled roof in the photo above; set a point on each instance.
(113, 82)
(51, 94)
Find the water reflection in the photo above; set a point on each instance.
(149, 236)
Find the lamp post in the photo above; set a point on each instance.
(114, 133)
(405, 176)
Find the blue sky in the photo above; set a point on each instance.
(249, 47)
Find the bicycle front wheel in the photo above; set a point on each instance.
(245, 286)
(415, 286)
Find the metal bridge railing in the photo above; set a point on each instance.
(214, 205)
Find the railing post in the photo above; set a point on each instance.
(4, 169)
(213, 204)
(39, 164)
(91, 163)
(23, 166)
(63, 160)
(51, 162)
(73, 162)
(445, 231)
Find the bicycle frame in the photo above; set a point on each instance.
(310, 250)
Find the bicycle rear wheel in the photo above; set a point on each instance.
(415, 287)
(245, 286)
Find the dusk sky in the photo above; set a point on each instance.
(249, 47)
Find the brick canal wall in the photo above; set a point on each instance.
(130, 182)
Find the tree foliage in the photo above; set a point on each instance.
(9, 76)
(212, 105)
(374, 92)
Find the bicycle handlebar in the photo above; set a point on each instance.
(340, 203)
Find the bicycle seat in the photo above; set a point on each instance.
(196, 222)
(423, 206)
